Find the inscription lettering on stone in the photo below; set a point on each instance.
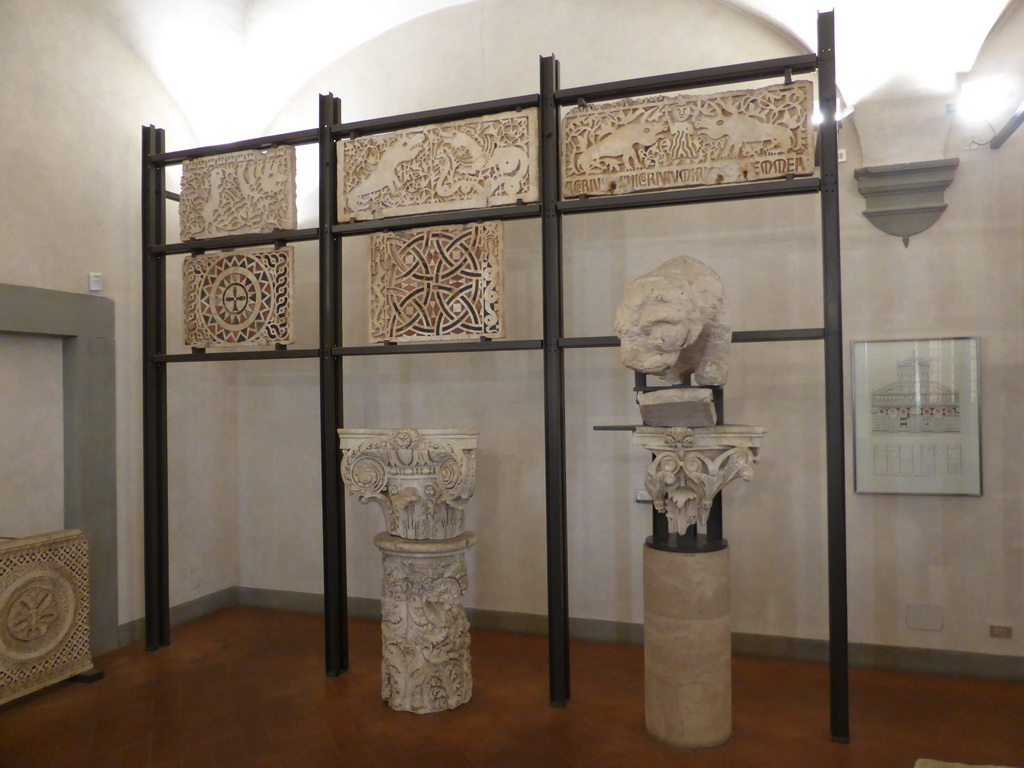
(438, 283)
(238, 297)
(238, 193)
(660, 142)
(475, 163)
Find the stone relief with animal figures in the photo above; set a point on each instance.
(475, 163)
(661, 142)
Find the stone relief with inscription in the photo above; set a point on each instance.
(438, 283)
(475, 163)
(661, 142)
(44, 611)
(238, 297)
(238, 193)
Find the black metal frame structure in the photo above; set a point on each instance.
(551, 210)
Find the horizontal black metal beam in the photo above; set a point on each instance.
(738, 337)
(438, 348)
(430, 116)
(213, 357)
(788, 334)
(294, 138)
(524, 211)
(697, 78)
(237, 241)
(172, 196)
(713, 194)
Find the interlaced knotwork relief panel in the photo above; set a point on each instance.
(238, 193)
(44, 611)
(238, 297)
(660, 142)
(438, 283)
(476, 163)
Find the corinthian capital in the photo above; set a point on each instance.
(692, 465)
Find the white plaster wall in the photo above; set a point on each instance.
(31, 435)
(960, 277)
(73, 100)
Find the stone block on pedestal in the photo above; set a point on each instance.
(677, 407)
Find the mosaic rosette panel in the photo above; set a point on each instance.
(661, 142)
(238, 193)
(44, 611)
(238, 297)
(438, 283)
(476, 163)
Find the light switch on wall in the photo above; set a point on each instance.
(95, 281)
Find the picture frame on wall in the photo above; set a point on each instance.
(917, 416)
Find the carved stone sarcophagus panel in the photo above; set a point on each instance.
(475, 163)
(438, 283)
(661, 142)
(238, 193)
(238, 297)
(44, 611)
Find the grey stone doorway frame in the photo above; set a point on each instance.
(86, 326)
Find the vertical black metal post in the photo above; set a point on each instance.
(554, 388)
(716, 528)
(154, 396)
(335, 586)
(834, 427)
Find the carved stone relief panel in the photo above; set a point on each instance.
(661, 142)
(44, 611)
(420, 478)
(238, 193)
(475, 163)
(238, 297)
(438, 283)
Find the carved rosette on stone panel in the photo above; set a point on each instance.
(420, 478)
(238, 193)
(661, 142)
(692, 465)
(476, 163)
(438, 283)
(238, 297)
(425, 633)
(44, 611)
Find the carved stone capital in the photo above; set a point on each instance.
(420, 478)
(692, 465)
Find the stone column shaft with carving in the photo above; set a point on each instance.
(421, 479)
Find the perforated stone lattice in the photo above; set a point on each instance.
(44, 611)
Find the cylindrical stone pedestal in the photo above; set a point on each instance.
(424, 629)
(687, 648)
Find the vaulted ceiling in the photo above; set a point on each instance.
(914, 47)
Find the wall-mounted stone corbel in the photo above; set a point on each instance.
(906, 198)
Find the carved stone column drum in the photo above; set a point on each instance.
(421, 479)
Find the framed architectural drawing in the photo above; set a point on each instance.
(916, 416)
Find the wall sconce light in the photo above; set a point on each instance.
(981, 100)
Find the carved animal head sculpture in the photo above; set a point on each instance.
(672, 323)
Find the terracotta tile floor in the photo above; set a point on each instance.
(245, 688)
